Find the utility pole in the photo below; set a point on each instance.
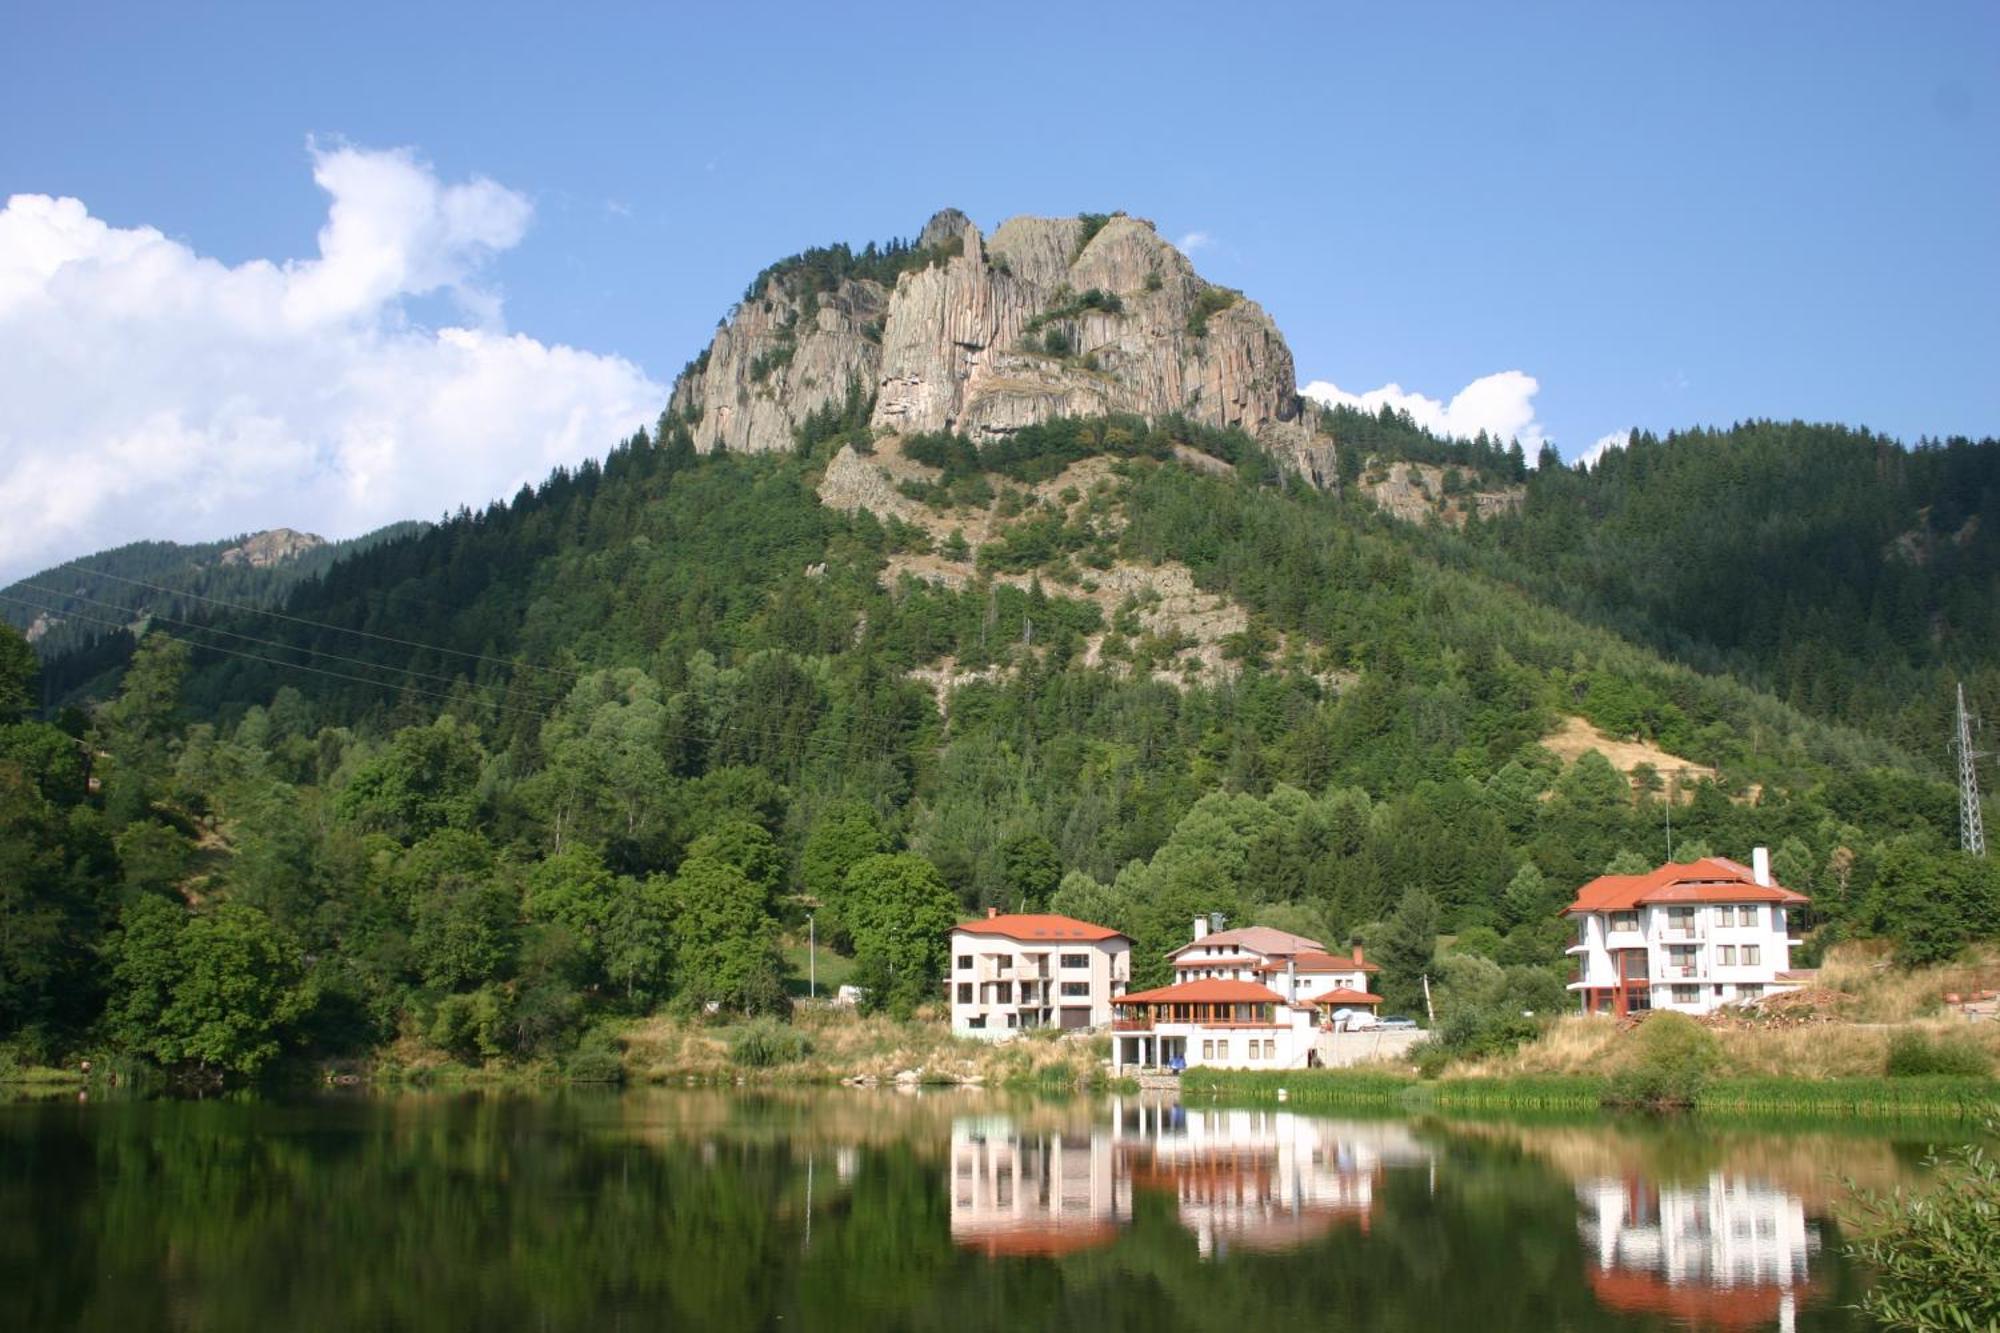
(812, 956)
(1971, 822)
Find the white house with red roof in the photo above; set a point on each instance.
(1686, 937)
(1011, 972)
(1298, 969)
(1250, 998)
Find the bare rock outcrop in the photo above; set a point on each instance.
(273, 547)
(1049, 317)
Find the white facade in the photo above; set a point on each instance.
(1688, 938)
(1010, 974)
(1252, 1030)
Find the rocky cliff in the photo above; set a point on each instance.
(983, 335)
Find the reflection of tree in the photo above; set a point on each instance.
(691, 1210)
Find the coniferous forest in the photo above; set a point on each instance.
(598, 748)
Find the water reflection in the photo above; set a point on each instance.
(1728, 1252)
(1262, 1180)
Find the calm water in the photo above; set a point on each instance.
(851, 1210)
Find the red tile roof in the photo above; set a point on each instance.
(1039, 927)
(1340, 995)
(1324, 962)
(1210, 990)
(1266, 940)
(1713, 879)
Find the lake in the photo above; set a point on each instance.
(959, 1210)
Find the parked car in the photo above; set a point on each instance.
(1395, 1023)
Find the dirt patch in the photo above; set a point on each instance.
(1415, 492)
(1576, 735)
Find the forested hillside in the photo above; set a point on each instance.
(588, 751)
(93, 602)
(1854, 578)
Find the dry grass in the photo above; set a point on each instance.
(851, 1046)
(1882, 1001)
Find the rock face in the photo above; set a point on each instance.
(1048, 317)
(266, 549)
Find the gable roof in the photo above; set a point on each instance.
(1265, 940)
(1340, 995)
(1323, 962)
(1040, 928)
(1713, 879)
(1211, 990)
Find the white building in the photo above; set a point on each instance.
(1010, 973)
(1298, 969)
(1685, 937)
(1227, 1024)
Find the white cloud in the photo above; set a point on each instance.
(1193, 241)
(1502, 405)
(148, 391)
(1617, 439)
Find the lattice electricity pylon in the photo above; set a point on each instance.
(1971, 822)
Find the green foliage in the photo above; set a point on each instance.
(767, 1042)
(1914, 1055)
(824, 268)
(472, 1025)
(424, 781)
(223, 990)
(725, 941)
(1209, 302)
(17, 675)
(1407, 952)
(1935, 1250)
(1669, 1062)
(901, 914)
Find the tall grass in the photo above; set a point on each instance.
(1937, 1097)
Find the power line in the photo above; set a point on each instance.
(289, 666)
(337, 629)
(205, 628)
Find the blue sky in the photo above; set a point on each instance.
(1666, 215)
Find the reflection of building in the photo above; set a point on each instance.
(1258, 1180)
(1034, 970)
(1017, 1191)
(1730, 1253)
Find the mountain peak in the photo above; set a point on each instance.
(1049, 317)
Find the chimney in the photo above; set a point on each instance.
(1292, 978)
(1357, 955)
(1201, 927)
(1760, 866)
(992, 912)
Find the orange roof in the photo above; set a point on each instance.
(1713, 879)
(1265, 940)
(1211, 990)
(1340, 995)
(1754, 1305)
(1324, 962)
(1036, 927)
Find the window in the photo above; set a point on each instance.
(1751, 955)
(1746, 916)
(1076, 988)
(1750, 990)
(1076, 960)
(1010, 1020)
(1681, 919)
(965, 962)
(1624, 920)
(965, 992)
(1003, 992)
(1004, 963)
(1725, 955)
(1271, 1049)
(1207, 1049)
(976, 1021)
(1687, 994)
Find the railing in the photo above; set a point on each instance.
(1131, 1025)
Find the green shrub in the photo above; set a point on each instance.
(767, 1042)
(1936, 1251)
(1669, 1061)
(1913, 1055)
(595, 1060)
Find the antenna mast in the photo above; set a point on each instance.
(1971, 823)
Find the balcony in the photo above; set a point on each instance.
(1131, 1025)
